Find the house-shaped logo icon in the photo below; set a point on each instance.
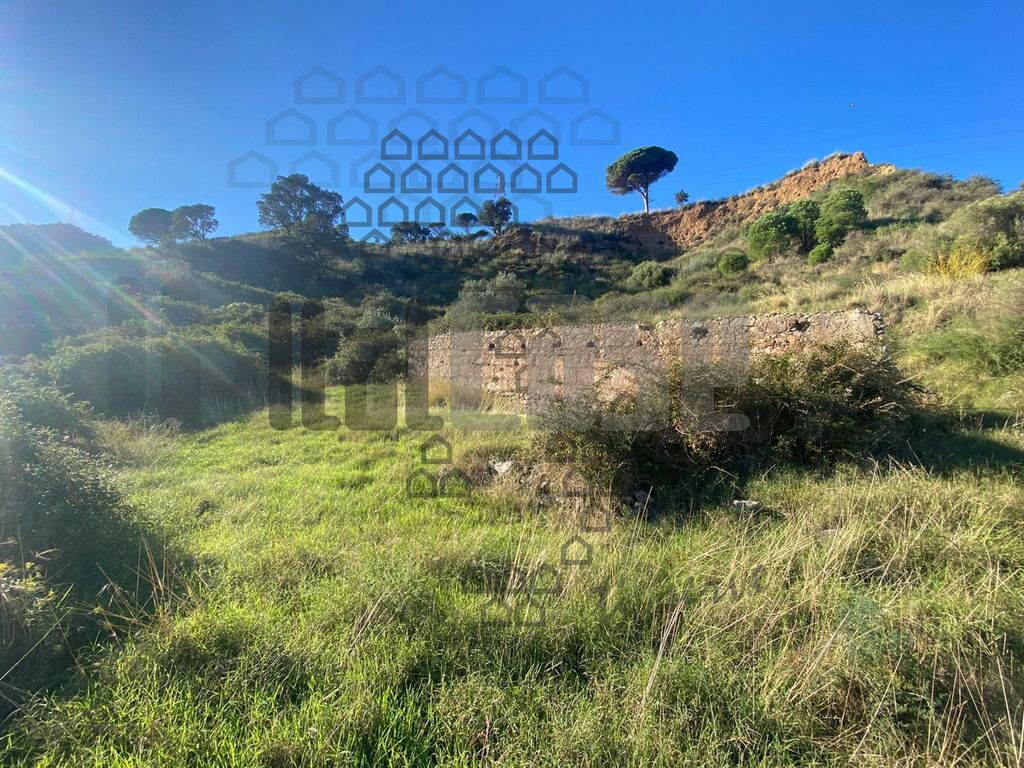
(563, 86)
(469, 145)
(357, 213)
(577, 551)
(379, 179)
(432, 146)
(473, 119)
(318, 167)
(436, 450)
(561, 179)
(496, 611)
(412, 122)
(454, 484)
(526, 179)
(351, 128)
(508, 344)
(251, 171)
(420, 484)
(429, 211)
(501, 86)
(535, 120)
(415, 179)
(380, 86)
(545, 580)
(319, 86)
(291, 128)
(488, 180)
(441, 86)
(396, 146)
(506, 146)
(547, 339)
(392, 211)
(594, 128)
(542, 146)
(463, 205)
(453, 178)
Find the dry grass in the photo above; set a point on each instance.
(139, 442)
(961, 262)
(925, 300)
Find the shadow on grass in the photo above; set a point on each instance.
(934, 443)
(77, 568)
(55, 626)
(944, 445)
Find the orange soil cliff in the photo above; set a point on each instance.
(686, 227)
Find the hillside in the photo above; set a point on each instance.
(696, 223)
(18, 240)
(841, 583)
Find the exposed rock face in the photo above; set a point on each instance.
(689, 226)
(525, 366)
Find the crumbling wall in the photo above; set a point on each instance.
(515, 367)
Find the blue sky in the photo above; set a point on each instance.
(106, 108)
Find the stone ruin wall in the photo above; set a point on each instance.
(615, 357)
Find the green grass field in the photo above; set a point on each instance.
(318, 616)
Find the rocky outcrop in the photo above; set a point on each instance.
(689, 226)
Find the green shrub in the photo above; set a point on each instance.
(648, 275)
(888, 243)
(733, 263)
(500, 294)
(805, 214)
(988, 234)
(993, 227)
(819, 254)
(66, 540)
(961, 261)
(373, 353)
(827, 404)
(174, 376)
(841, 212)
(922, 197)
(44, 406)
(780, 231)
(58, 501)
(773, 234)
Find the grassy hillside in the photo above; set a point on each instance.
(184, 585)
(869, 614)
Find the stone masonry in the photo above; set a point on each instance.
(516, 367)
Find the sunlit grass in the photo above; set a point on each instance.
(869, 616)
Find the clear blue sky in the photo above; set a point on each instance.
(106, 108)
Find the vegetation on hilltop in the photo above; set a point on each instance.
(158, 226)
(638, 170)
(20, 240)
